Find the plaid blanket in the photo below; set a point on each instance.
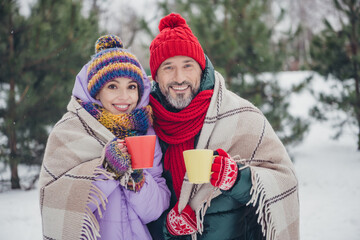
(73, 154)
(239, 128)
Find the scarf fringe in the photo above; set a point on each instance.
(124, 180)
(265, 218)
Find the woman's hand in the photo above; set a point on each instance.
(122, 145)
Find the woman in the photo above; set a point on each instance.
(87, 187)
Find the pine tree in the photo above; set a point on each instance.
(337, 53)
(40, 57)
(236, 35)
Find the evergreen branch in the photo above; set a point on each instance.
(23, 94)
(51, 55)
(50, 92)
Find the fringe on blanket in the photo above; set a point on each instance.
(199, 221)
(258, 196)
(90, 229)
(123, 179)
(200, 215)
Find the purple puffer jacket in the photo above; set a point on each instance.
(127, 212)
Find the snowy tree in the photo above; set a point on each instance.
(336, 53)
(237, 37)
(40, 56)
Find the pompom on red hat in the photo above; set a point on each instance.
(175, 39)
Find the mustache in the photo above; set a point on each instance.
(179, 84)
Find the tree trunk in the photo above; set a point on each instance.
(15, 180)
(11, 107)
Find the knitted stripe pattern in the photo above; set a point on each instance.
(179, 131)
(117, 161)
(122, 125)
(113, 63)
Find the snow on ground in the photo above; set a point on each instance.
(20, 215)
(329, 183)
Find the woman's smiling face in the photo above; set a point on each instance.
(119, 95)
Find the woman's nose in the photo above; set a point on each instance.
(123, 94)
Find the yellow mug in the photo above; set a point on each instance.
(198, 165)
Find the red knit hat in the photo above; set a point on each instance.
(175, 39)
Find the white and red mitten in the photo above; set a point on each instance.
(225, 171)
(183, 223)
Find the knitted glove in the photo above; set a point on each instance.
(116, 161)
(225, 171)
(183, 223)
(137, 180)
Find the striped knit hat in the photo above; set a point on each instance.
(112, 61)
(175, 39)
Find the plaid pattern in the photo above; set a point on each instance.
(70, 165)
(254, 144)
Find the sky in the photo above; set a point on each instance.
(327, 170)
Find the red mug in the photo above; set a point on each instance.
(141, 149)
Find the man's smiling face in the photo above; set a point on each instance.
(179, 80)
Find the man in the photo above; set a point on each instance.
(253, 191)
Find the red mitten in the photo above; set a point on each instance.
(225, 171)
(183, 223)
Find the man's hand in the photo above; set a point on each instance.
(225, 171)
(183, 223)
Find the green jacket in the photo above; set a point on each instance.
(228, 217)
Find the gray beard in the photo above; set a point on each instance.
(180, 102)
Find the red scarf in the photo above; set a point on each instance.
(179, 131)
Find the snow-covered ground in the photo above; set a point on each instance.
(329, 181)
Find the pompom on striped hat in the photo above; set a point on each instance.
(112, 61)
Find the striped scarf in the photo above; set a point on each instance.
(121, 125)
(179, 131)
